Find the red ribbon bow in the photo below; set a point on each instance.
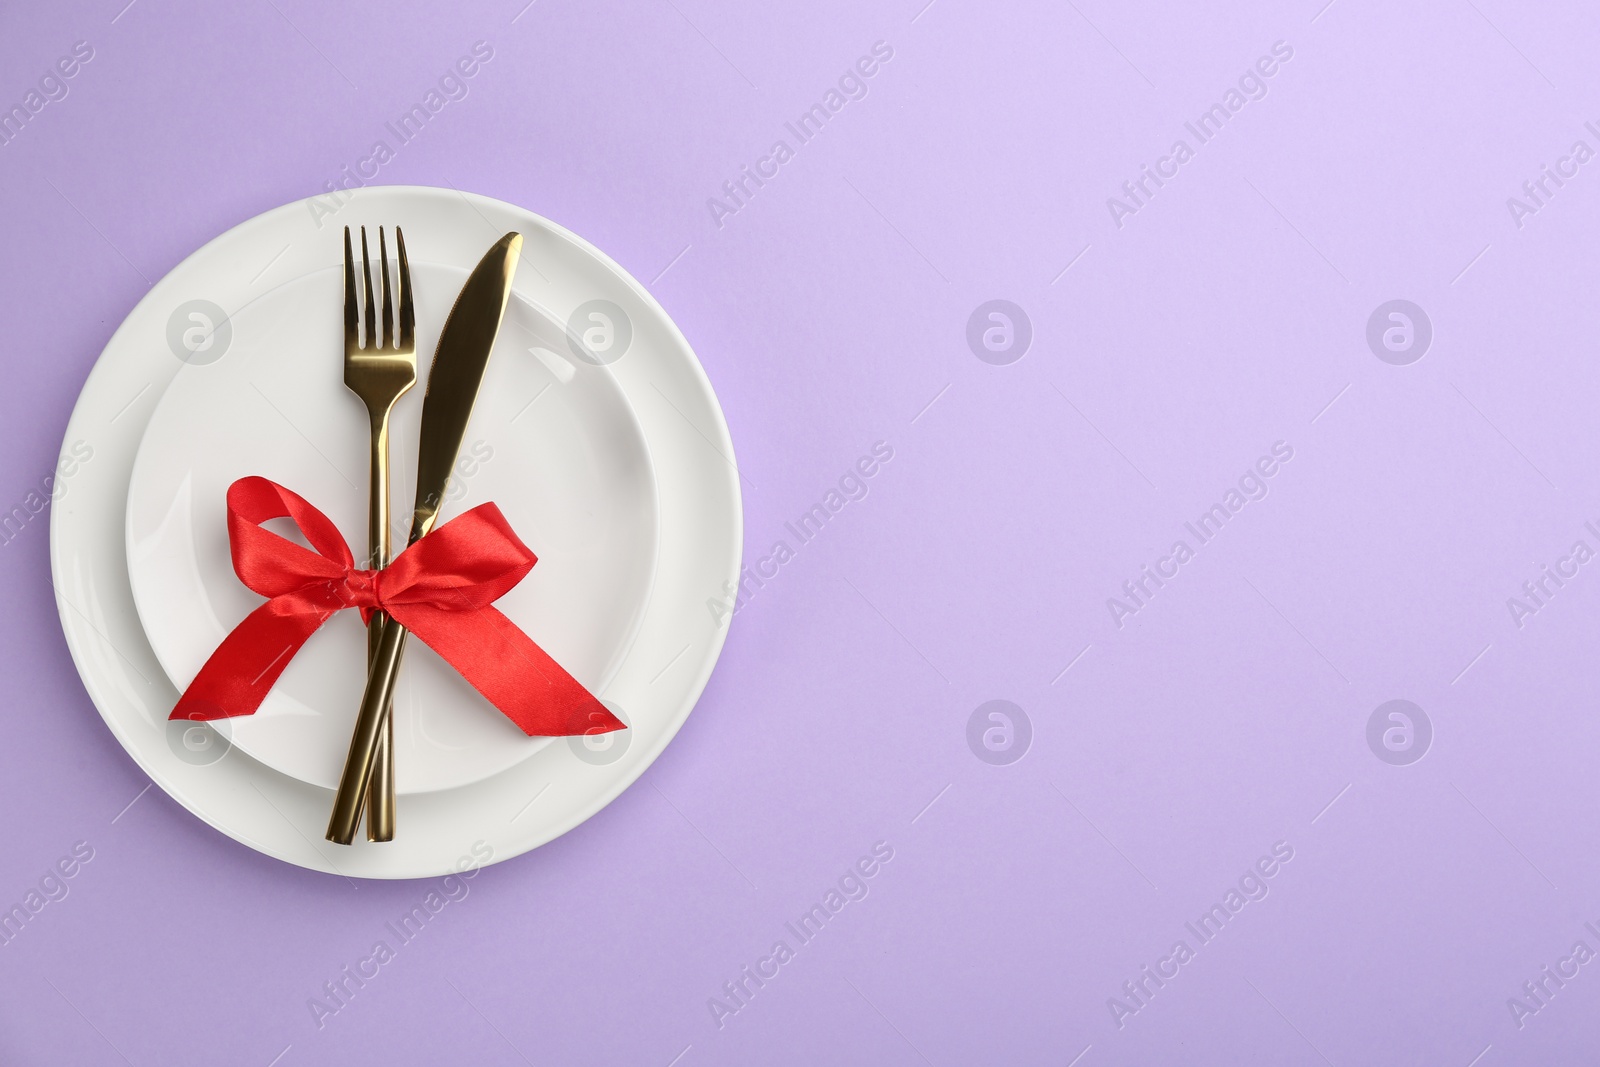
(441, 589)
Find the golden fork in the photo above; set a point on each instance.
(379, 372)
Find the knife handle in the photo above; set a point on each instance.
(357, 773)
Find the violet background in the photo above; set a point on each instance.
(1226, 315)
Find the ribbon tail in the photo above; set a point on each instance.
(243, 669)
(512, 673)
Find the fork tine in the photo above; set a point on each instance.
(388, 303)
(352, 324)
(408, 316)
(366, 285)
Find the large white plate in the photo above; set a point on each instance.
(540, 797)
(558, 450)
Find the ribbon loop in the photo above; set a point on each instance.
(441, 588)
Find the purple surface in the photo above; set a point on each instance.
(1166, 755)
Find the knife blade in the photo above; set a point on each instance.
(456, 374)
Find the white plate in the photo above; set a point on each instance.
(562, 456)
(542, 796)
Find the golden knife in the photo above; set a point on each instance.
(457, 372)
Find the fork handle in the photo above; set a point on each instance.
(380, 801)
(379, 794)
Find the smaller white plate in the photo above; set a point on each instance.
(554, 443)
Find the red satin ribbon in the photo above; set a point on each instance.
(441, 589)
